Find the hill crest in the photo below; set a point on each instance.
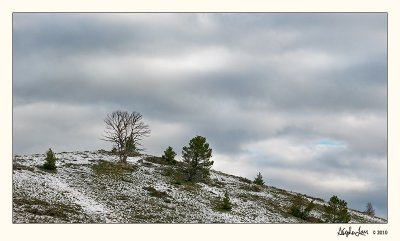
(89, 187)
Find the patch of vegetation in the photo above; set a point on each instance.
(155, 193)
(318, 199)
(245, 180)
(112, 168)
(104, 152)
(215, 183)
(251, 187)
(59, 210)
(312, 219)
(300, 207)
(122, 197)
(175, 175)
(18, 166)
(42, 208)
(20, 201)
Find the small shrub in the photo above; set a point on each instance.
(155, 159)
(155, 193)
(259, 180)
(300, 207)
(251, 187)
(112, 168)
(255, 188)
(176, 175)
(215, 183)
(50, 163)
(224, 204)
(19, 166)
(245, 180)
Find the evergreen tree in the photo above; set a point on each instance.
(196, 157)
(169, 155)
(259, 180)
(336, 211)
(130, 147)
(370, 210)
(50, 163)
(226, 202)
(301, 208)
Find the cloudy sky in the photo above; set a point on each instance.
(302, 98)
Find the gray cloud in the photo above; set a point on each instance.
(300, 97)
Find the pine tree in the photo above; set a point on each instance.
(226, 202)
(336, 211)
(169, 155)
(50, 163)
(301, 208)
(370, 210)
(196, 157)
(259, 180)
(130, 147)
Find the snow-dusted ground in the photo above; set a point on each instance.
(76, 193)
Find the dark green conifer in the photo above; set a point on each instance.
(226, 202)
(259, 180)
(336, 211)
(169, 155)
(196, 157)
(50, 163)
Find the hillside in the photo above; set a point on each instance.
(89, 187)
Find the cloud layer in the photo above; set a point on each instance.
(302, 98)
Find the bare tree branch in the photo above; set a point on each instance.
(122, 126)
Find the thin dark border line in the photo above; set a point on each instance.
(387, 104)
(202, 12)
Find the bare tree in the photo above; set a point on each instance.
(370, 210)
(125, 130)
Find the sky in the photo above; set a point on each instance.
(299, 97)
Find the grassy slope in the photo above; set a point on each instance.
(86, 189)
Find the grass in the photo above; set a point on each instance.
(112, 168)
(42, 208)
(20, 201)
(245, 180)
(18, 166)
(215, 183)
(155, 159)
(155, 193)
(251, 187)
(42, 168)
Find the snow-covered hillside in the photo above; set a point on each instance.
(88, 187)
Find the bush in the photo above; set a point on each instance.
(245, 180)
(259, 180)
(155, 193)
(50, 163)
(225, 204)
(112, 168)
(301, 208)
(336, 211)
(169, 155)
